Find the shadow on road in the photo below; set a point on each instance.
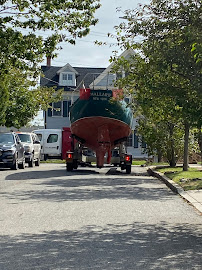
(133, 247)
(96, 188)
(61, 172)
(33, 174)
(86, 184)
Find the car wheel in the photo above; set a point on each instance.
(31, 163)
(22, 165)
(37, 162)
(15, 165)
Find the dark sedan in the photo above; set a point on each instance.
(11, 151)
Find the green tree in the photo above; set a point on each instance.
(29, 31)
(22, 102)
(20, 21)
(163, 139)
(168, 34)
(4, 96)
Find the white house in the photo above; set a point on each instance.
(71, 79)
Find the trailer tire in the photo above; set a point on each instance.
(123, 167)
(115, 164)
(69, 167)
(128, 169)
(75, 164)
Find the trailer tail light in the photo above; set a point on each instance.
(69, 155)
(128, 159)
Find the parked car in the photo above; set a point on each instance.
(11, 151)
(32, 148)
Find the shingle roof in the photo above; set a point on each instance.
(51, 78)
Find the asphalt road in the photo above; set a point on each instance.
(92, 219)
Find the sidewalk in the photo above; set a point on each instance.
(194, 197)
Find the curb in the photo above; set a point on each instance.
(175, 188)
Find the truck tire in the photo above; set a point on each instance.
(15, 165)
(31, 162)
(69, 167)
(37, 162)
(128, 169)
(22, 165)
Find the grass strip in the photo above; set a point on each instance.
(188, 180)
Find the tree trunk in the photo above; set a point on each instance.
(172, 160)
(159, 154)
(186, 147)
(200, 141)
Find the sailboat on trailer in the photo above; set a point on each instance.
(100, 121)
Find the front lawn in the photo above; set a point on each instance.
(190, 180)
(138, 162)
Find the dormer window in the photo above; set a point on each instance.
(67, 79)
(64, 77)
(67, 75)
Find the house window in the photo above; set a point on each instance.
(120, 74)
(57, 108)
(66, 79)
(144, 145)
(130, 140)
(135, 140)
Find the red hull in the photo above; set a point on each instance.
(100, 134)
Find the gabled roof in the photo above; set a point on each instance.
(90, 77)
(50, 76)
(66, 68)
(125, 54)
(87, 75)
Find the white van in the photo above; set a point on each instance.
(51, 142)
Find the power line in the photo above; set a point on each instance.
(73, 63)
(45, 33)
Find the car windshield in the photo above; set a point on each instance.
(25, 138)
(6, 139)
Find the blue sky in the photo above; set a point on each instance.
(85, 53)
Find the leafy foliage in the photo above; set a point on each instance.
(23, 48)
(163, 75)
(22, 103)
(25, 51)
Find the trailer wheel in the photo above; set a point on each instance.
(123, 167)
(115, 164)
(75, 164)
(128, 169)
(69, 167)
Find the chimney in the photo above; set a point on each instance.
(48, 61)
